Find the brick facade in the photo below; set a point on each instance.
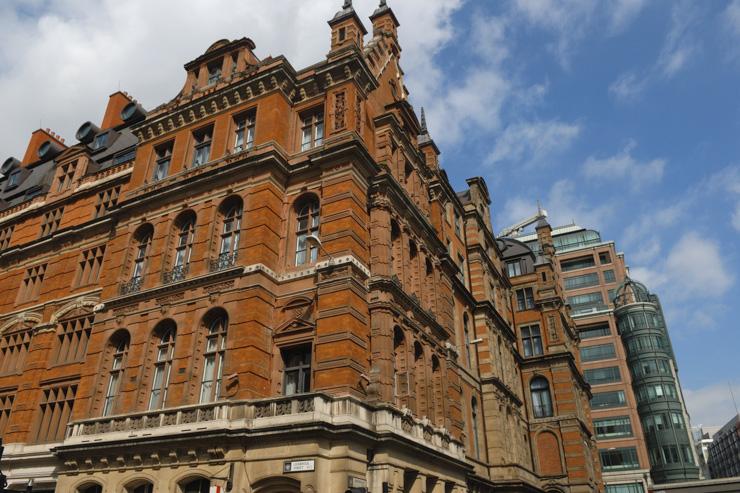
(269, 268)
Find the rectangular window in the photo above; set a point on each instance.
(588, 302)
(577, 263)
(617, 427)
(609, 276)
(88, 270)
(13, 179)
(5, 235)
(244, 131)
(50, 222)
(458, 225)
(670, 454)
(31, 285)
(163, 155)
(598, 376)
(625, 488)
(202, 146)
(514, 269)
(461, 267)
(65, 176)
(100, 141)
(584, 281)
(6, 406)
(13, 350)
(72, 339)
(524, 299)
(531, 340)
(599, 352)
(590, 332)
(55, 410)
(312, 130)
(606, 400)
(619, 459)
(605, 258)
(214, 72)
(297, 370)
(124, 157)
(107, 199)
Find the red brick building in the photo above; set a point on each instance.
(265, 284)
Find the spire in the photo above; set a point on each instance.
(347, 4)
(424, 130)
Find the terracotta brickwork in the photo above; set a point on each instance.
(271, 268)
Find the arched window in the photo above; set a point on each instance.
(90, 488)
(164, 336)
(142, 246)
(466, 334)
(199, 485)
(185, 225)
(118, 348)
(400, 373)
(474, 416)
(213, 358)
(307, 224)
(438, 394)
(231, 225)
(396, 249)
(141, 486)
(420, 386)
(541, 401)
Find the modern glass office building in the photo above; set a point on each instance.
(655, 383)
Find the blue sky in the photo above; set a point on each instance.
(620, 115)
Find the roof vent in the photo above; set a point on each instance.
(49, 150)
(9, 165)
(132, 113)
(87, 132)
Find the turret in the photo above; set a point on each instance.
(346, 28)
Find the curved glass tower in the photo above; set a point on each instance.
(655, 383)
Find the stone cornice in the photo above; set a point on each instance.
(499, 384)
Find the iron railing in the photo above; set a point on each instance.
(132, 286)
(223, 262)
(178, 273)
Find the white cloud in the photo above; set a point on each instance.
(623, 12)
(680, 47)
(624, 166)
(564, 205)
(571, 20)
(711, 405)
(693, 269)
(60, 64)
(627, 86)
(533, 142)
(736, 217)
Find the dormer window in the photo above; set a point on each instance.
(214, 72)
(13, 179)
(202, 146)
(100, 141)
(244, 131)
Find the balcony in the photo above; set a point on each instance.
(264, 416)
(132, 286)
(178, 273)
(223, 262)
